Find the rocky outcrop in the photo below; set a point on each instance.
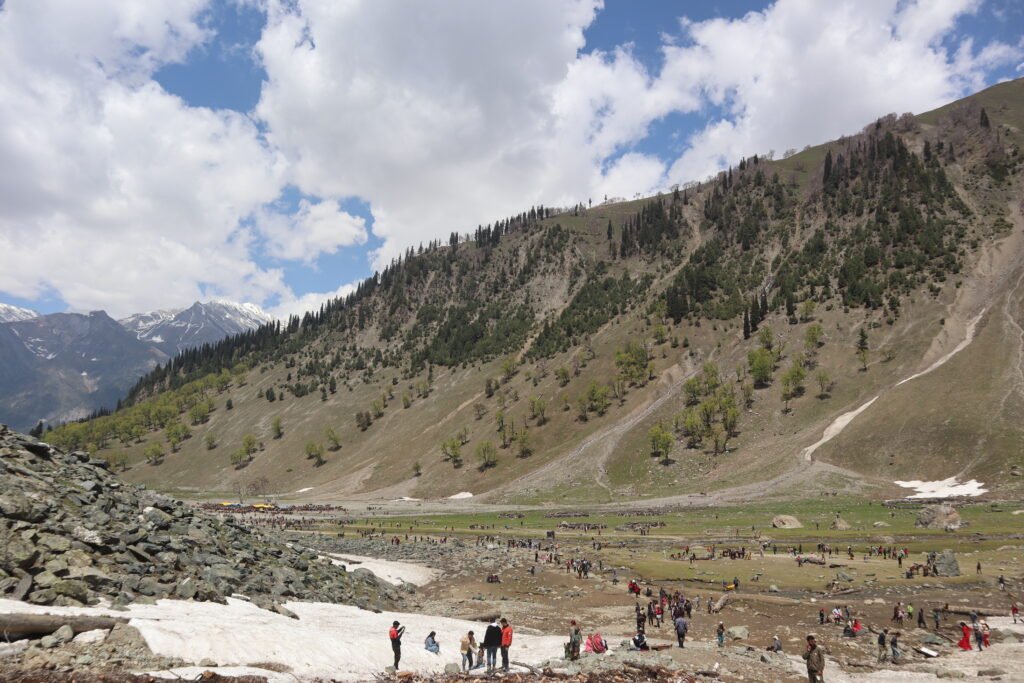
(786, 522)
(72, 532)
(942, 516)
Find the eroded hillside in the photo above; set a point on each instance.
(695, 343)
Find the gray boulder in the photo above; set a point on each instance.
(737, 633)
(946, 564)
(943, 516)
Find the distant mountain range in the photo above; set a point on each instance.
(64, 366)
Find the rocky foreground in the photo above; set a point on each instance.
(72, 533)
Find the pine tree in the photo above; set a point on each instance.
(827, 171)
(984, 118)
(746, 323)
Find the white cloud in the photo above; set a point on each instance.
(316, 228)
(118, 195)
(803, 72)
(310, 301)
(114, 193)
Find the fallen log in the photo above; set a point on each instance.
(720, 603)
(16, 626)
(981, 612)
(534, 670)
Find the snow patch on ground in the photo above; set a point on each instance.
(947, 488)
(968, 338)
(840, 423)
(338, 642)
(308, 488)
(832, 431)
(388, 570)
(461, 495)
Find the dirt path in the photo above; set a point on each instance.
(596, 449)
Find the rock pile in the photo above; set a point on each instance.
(943, 516)
(72, 532)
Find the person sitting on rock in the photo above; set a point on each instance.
(776, 645)
(640, 641)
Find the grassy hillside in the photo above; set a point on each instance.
(615, 352)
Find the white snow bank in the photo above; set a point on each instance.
(407, 499)
(460, 495)
(327, 641)
(388, 570)
(308, 488)
(947, 488)
(837, 426)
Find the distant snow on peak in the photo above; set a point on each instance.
(10, 314)
(142, 323)
(175, 330)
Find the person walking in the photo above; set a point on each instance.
(467, 646)
(882, 644)
(921, 623)
(1014, 612)
(894, 647)
(720, 634)
(815, 659)
(575, 640)
(492, 641)
(965, 641)
(979, 637)
(682, 626)
(395, 635)
(506, 643)
(1002, 582)
(937, 616)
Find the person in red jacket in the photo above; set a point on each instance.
(395, 634)
(506, 643)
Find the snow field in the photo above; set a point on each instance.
(326, 641)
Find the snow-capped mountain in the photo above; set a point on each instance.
(141, 323)
(63, 366)
(201, 323)
(10, 314)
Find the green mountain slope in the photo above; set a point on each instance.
(691, 343)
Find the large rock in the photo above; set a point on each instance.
(946, 564)
(786, 522)
(737, 633)
(839, 524)
(943, 516)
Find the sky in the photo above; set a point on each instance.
(154, 153)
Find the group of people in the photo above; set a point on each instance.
(497, 638)
(978, 629)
